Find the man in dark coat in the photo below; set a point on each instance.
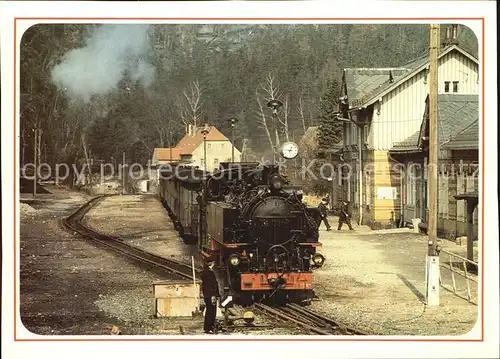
(345, 216)
(210, 293)
(322, 210)
(327, 201)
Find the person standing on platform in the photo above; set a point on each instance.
(323, 212)
(345, 216)
(210, 293)
(328, 201)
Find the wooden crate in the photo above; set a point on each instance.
(176, 298)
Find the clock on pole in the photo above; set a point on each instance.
(289, 150)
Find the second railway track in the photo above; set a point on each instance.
(169, 267)
(312, 322)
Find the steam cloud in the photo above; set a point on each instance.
(111, 52)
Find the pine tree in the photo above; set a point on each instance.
(330, 129)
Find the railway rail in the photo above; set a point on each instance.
(168, 267)
(292, 313)
(311, 321)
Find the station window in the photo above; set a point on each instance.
(216, 161)
(455, 86)
(447, 86)
(209, 146)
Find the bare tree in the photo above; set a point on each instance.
(194, 103)
(271, 90)
(262, 119)
(284, 120)
(300, 109)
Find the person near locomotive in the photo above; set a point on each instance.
(323, 212)
(210, 293)
(327, 201)
(345, 216)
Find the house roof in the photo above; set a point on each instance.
(457, 114)
(361, 82)
(311, 134)
(467, 139)
(310, 140)
(167, 154)
(411, 68)
(191, 142)
(410, 144)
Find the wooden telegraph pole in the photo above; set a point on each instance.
(432, 268)
(35, 154)
(123, 173)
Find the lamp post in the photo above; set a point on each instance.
(274, 105)
(204, 196)
(204, 132)
(330, 179)
(233, 121)
(170, 145)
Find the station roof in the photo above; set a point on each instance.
(458, 117)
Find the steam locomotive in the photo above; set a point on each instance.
(253, 222)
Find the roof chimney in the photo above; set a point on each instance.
(451, 36)
(190, 130)
(454, 35)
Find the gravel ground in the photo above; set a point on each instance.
(375, 281)
(372, 280)
(141, 221)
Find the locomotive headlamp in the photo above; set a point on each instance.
(276, 183)
(234, 259)
(318, 259)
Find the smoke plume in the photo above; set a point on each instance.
(111, 52)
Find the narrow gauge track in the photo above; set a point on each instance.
(309, 320)
(163, 265)
(293, 313)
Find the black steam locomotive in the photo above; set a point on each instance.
(253, 222)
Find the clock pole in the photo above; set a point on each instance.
(274, 105)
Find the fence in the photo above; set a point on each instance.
(462, 267)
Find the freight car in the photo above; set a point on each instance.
(253, 222)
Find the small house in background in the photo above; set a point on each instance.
(190, 149)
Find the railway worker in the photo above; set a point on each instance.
(210, 293)
(323, 212)
(327, 200)
(345, 216)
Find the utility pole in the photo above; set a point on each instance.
(35, 174)
(432, 268)
(232, 122)
(123, 172)
(244, 150)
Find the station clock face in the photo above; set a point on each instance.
(289, 150)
